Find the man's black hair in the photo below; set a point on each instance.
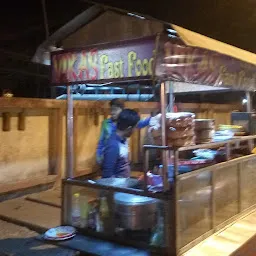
(117, 103)
(127, 118)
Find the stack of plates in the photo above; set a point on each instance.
(204, 130)
(60, 233)
(238, 130)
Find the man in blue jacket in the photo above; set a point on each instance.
(109, 127)
(116, 153)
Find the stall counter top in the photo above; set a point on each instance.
(93, 246)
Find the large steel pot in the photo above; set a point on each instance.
(135, 212)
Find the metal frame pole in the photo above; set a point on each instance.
(249, 102)
(67, 190)
(239, 185)
(171, 97)
(169, 206)
(146, 167)
(176, 196)
(213, 200)
(70, 142)
(163, 125)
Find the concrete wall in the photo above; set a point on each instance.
(40, 150)
(87, 135)
(25, 154)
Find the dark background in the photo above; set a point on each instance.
(230, 21)
(22, 30)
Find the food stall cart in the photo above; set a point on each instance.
(190, 206)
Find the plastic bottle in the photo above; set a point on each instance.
(157, 238)
(104, 211)
(92, 217)
(99, 223)
(76, 215)
(84, 211)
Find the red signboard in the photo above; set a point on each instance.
(129, 60)
(133, 60)
(199, 66)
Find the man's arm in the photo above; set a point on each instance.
(143, 123)
(149, 121)
(111, 155)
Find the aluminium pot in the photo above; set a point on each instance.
(135, 212)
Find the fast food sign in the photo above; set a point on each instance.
(134, 60)
(130, 60)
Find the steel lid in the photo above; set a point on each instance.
(129, 199)
(118, 182)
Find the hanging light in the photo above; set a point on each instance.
(244, 101)
(136, 16)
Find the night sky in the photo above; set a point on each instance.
(230, 21)
(22, 24)
(22, 29)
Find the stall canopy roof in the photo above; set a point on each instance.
(190, 38)
(193, 39)
(232, 22)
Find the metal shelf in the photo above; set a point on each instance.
(206, 145)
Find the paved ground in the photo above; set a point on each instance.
(16, 239)
(20, 241)
(36, 216)
(50, 197)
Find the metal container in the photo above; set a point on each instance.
(135, 212)
(119, 182)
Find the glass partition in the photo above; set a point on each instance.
(210, 198)
(122, 217)
(226, 192)
(204, 201)
(248, 183)
(194, 204)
